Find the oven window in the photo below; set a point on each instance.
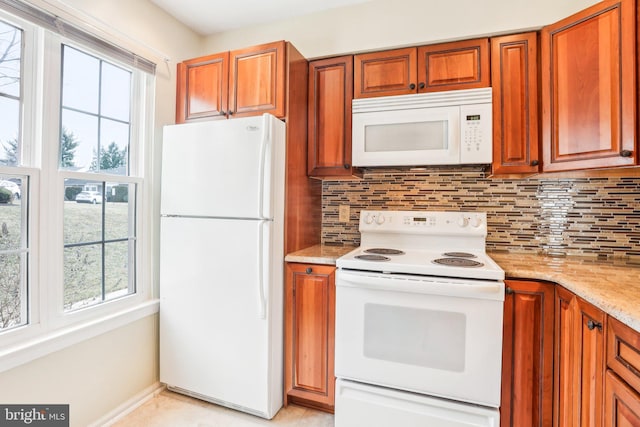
(428, 338)
(427, 135)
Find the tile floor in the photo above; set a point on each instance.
(169, 409)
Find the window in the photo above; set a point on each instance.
(75, 132)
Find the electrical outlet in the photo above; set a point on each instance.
(344, 212)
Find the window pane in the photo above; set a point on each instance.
(10, 50)
(13, 251)
(9, 128)
(117, 224)
(82, 211)
(79, 141)
(80, 80)
(114, 144)
(13, 295)
(116, 92)
(82, 276)
(116, 259)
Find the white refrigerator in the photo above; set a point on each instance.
(221, 262)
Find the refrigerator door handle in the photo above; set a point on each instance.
(264, 145)
(263, 261)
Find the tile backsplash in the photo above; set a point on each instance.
(559, 216)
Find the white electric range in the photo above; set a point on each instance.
(419, 322)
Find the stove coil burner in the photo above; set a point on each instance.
(372, 257)
(384, 251)
(459, 254)
(458, 262)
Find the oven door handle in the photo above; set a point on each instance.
(413, 284)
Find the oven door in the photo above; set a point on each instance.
(436, 336)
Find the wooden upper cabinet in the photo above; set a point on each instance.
(330, 95)
(527, 358)
(202, 88)
(514, 76)
(439, 67)
(257, 80)
(452, 66)
(391, 72)
(245, 82)
(589, 88)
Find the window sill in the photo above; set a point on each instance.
(25, 352)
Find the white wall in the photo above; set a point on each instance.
(98, 375)
(383, 24)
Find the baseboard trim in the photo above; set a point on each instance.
(129, 406)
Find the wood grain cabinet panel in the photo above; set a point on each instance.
(329, 138)
(589, 88)
(622, 403)
(453, 66)
(309, 335)
(514, 76)
(579, 361)
(257, 80)
(623, 352)
(391, 72)
(527, 361)
(202, 88)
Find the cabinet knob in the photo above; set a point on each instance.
(422, 85)
(626, 153)
(223, 113)
(347, 165)
(535, 162)
(508, 290)
(412, 86)
(309, 270)
(230, 112)
(592, 324)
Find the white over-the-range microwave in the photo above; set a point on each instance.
(439, 128)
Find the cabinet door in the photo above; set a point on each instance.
(589, 89)
(452, 66)
(579, 361)
(623, 352)
(514, 75)
(202, 88)
(527, 361)
(392, 72)
(622, 403)
(309, 335)
(257, 80)
(330, 95)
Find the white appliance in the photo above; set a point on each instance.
(221, 261)
(439, 128)
(419, 322)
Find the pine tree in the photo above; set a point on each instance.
(68, 145)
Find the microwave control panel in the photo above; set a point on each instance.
(476, 134)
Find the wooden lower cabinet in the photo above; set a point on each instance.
(309, 335)
(527, 362)
(579, 361)
(622, 403)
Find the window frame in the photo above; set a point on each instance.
(50, 328)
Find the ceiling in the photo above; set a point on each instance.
(213, 16)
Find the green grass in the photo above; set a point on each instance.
(82, 264)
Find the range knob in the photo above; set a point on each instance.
(463, 222)
(476, 222)
(380, 220)
(368, 219)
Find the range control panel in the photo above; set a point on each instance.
(424, 222)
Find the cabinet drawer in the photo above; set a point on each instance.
(623, 352)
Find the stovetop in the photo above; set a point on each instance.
(444, 244)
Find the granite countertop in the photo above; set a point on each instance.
(611, 285)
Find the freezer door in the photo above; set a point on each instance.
(218, 305)
(222, 168)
